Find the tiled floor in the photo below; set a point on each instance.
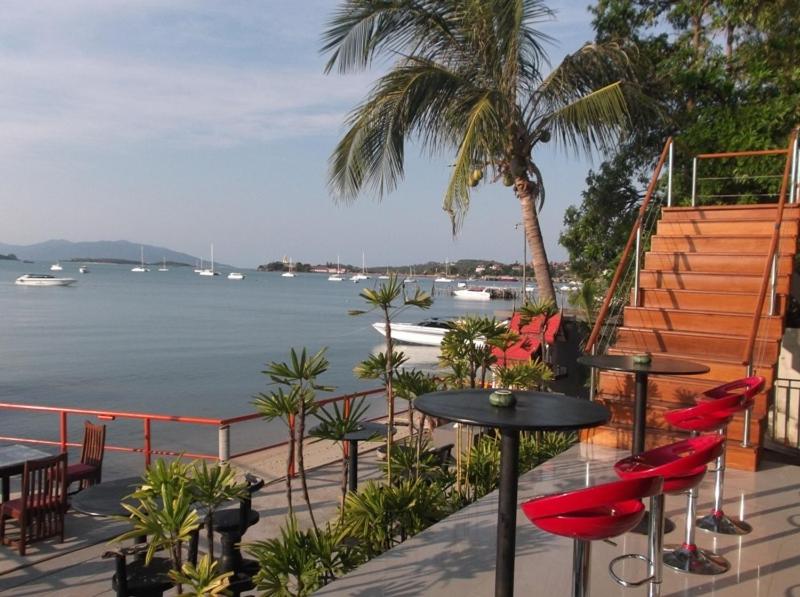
(456, 557)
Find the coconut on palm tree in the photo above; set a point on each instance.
(469, 80)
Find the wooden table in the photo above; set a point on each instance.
(534, 411)
(12, 462)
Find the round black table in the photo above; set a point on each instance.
(106, 498)
(658, 365)
(365, 432)
(534, 411)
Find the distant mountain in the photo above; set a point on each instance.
(64, 250)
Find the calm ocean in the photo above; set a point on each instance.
(180, 344)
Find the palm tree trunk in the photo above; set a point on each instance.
(344, 476)
(289, 463)
(389, 394)
(210, 534)
(533, 233)
(300, 464)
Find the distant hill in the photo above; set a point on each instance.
(64, 250)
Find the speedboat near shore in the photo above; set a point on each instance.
(43, 280)
(427, 333)
(473, 293)
(236, 276)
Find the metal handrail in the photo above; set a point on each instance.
(598, 324)
(223, 425)
(771, 254)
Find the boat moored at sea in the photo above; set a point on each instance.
(43, 280)
(140, 268)
(473, 293)
(236, 276)
(84, 269)
(427, 333)
(56, 267)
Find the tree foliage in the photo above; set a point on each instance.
(724, 75)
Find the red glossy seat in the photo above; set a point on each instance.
(591, 514)
(733, 397)
(683, 466)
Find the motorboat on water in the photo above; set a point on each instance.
(43, 280)
(473, 293)
(427, 333)
(56, 267)
(84, 269)
(236, 276)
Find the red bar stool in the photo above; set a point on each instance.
(591, 514)
(683, 466)
(745, 390)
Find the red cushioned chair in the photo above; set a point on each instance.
(683, 466)
(745, 390)
(41, 507)
(89, 470)
(591, 514)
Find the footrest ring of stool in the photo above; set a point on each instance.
(629, 583)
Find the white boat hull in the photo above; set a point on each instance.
(410, 333)
(335, 279)
(208, 272)
(472, 295)
(236, 276)
(27, 280)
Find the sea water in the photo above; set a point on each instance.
(177, 343)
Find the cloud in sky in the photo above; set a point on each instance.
(66, 79)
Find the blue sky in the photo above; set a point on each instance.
(185, 122)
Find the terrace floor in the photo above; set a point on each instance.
(456, 556)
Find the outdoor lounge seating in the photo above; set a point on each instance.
(42, 504)
(89, 470)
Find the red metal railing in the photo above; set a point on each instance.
(223, 426)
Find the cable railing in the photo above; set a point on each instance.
(146, 447)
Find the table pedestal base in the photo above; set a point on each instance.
(507, 514)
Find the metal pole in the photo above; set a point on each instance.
(581, 552)
(669, 177)
(694, 179)
(655, 544)
(224, 443)
(63, 429)
(636, 266)
(352, 468)
(747, 415)
(147, 447)
(793, 178)
(507, 514)
(592, 377)
(773, 280)
(524, 259)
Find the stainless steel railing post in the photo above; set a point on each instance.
(694, 180)
(224, 443)
(669, 177)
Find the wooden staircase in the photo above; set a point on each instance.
(698, 291)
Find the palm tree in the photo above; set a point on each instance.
(468, 80)
(299, 374)
(385, 299)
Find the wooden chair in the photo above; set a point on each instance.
(42, 504)
(89, 470)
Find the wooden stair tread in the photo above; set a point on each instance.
(705, 312)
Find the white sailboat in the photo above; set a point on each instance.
(410, 279)
(356, 278)
(337, 277)
(446, 278)
(207, 271)
(290, 273)
(56, 267)
(163, 267)
(140, 268)
(385, 276)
